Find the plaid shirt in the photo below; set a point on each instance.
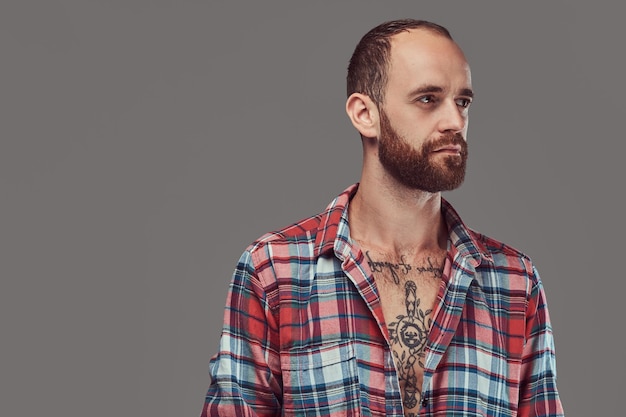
(304, 333)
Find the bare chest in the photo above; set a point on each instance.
(408, 288)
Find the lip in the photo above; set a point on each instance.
(449, 149)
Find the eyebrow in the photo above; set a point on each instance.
(436, 89)
(467, 92)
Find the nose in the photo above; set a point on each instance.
(452, 118)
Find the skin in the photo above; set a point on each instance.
(399, 228)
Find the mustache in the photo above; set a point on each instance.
(447, 139)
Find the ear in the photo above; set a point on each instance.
(363, 114)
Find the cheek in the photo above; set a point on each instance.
(415, 126)
(410, 124)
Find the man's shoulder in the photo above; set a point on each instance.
(318, 231)
(503, 255)
(280, 255)
(302, 231)
(496, 247)
(473, 241)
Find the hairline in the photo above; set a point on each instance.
(389, 51)
(378, 40)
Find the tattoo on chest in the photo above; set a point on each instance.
(408, 338)
(402, 268)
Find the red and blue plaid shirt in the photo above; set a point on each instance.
(304, 333)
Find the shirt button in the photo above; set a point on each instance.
(424, 402)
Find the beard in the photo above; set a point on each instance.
(416, 168)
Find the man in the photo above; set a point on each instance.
(386, 304)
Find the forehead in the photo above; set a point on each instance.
(420, 56)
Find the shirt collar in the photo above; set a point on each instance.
(468, 244)
(334, 232)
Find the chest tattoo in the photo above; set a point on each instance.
(409, 314)
(408, 338)
(395, 269)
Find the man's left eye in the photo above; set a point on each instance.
(463, 102)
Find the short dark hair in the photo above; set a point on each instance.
(367, 71)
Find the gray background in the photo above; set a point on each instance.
(144, 144)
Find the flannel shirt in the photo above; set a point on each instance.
(304, 333)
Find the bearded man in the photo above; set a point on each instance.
(386, 304)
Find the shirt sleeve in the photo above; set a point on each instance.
(245, 373)
(538, 391)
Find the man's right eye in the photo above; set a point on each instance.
(425, 99)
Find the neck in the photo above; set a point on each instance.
(392, 217)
